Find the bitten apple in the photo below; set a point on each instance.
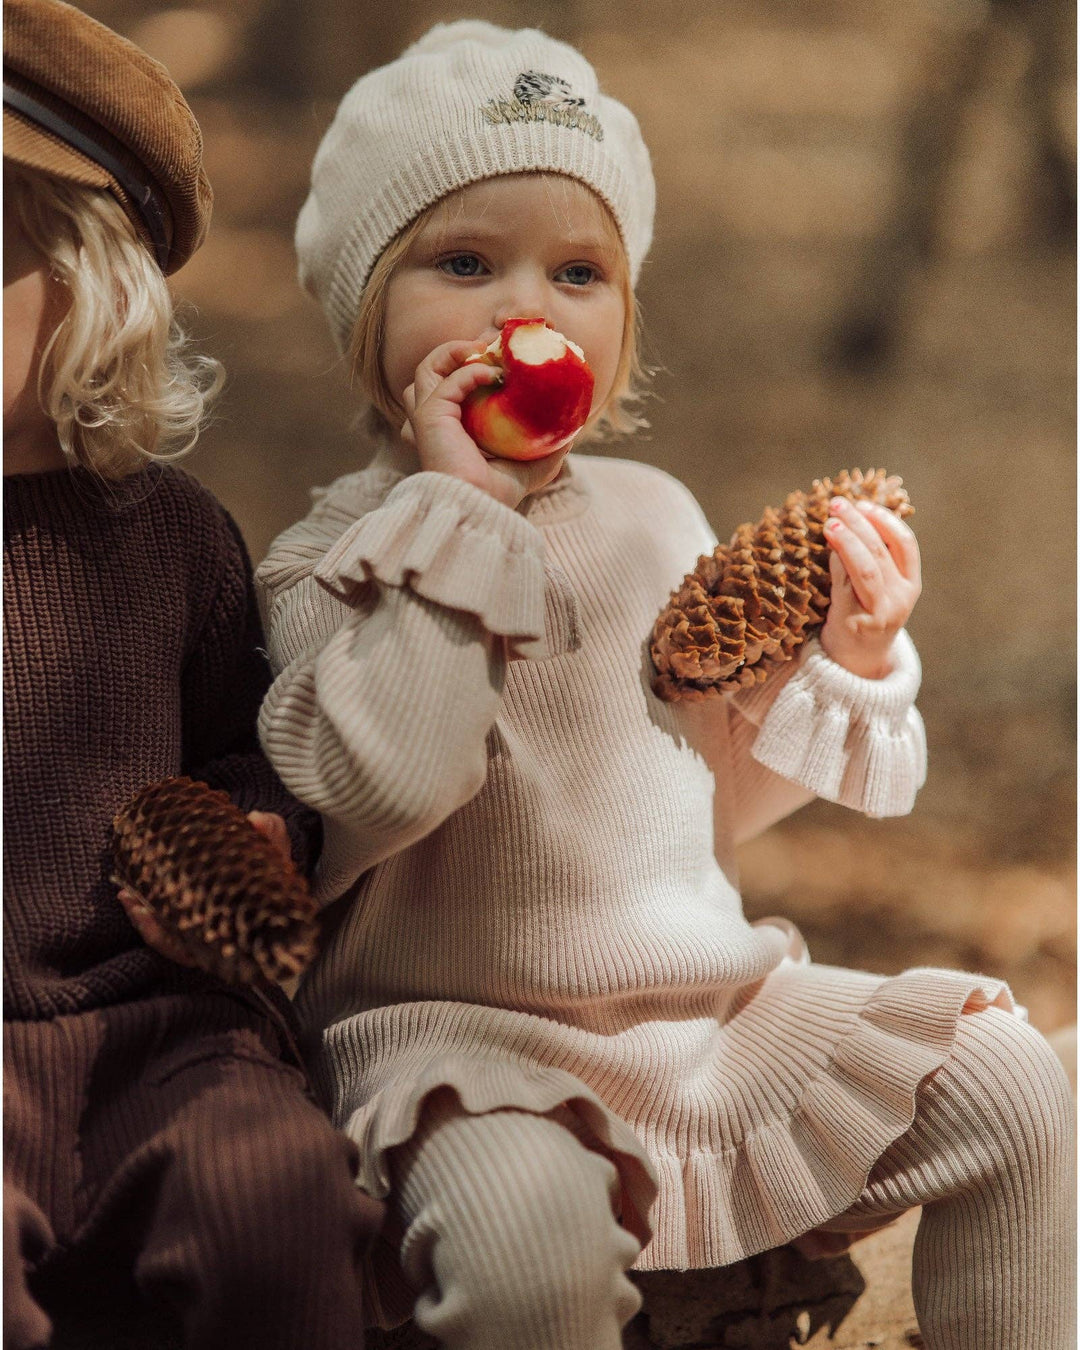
(543, 399)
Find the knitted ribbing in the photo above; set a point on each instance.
(543, 1272)
(131, 642)
(991, 1158)
(468, 101)
(542, 855)
(212, 1190)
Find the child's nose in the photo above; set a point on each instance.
(522, 310)
(524, 298)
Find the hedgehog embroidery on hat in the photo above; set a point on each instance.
(533, 87)
(543, 98)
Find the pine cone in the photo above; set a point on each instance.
(748, 606)
(240, 908)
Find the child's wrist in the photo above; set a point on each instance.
(873, 663)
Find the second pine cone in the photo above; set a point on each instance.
(749, 605)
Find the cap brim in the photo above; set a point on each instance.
(33, 147)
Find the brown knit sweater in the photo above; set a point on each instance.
(132, 651)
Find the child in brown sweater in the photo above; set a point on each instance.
(166, 1171)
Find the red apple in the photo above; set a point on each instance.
(541, 402)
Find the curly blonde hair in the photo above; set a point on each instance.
(617, 416)
(116, 376)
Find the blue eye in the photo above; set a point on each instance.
(461, 265)
(577, 274)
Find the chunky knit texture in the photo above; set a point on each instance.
(161, 1160)
(131, 653)
(468, 101)
(540, 853)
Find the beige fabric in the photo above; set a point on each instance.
(540, 854)
(991, 1158)
(508, 1226)
(468, 101)
(509, 1235)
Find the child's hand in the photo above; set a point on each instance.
(144, 920)
(433, 412)
(875, 582)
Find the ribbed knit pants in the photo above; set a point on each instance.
(164, 1167)
(990, 1157)
(510, 1235)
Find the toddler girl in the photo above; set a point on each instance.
(167, 1176)
(558, 1043)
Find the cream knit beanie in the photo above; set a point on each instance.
(468, 101)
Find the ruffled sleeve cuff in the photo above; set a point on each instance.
(458, 547)
(850, 740)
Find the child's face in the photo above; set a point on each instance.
(33, 305)
(528, 245)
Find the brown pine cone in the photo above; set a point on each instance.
(748, 606)
(240, 908)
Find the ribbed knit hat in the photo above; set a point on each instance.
(83, 104)
(468, 101)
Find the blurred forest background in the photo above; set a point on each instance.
(864, 255)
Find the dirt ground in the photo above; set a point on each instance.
(778, 135)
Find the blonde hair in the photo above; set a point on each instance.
(116, 375)
(616, 416)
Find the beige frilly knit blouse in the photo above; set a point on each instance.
(539, 854)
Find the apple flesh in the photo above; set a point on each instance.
(543, 399)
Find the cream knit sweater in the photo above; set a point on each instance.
(539, 854)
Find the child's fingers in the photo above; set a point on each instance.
(440, 363)
(898, 539)
(531, 475)
(862, 623)
(856, 521)
(271, 826)
(842, 599)
(862, 567)
(457, 386)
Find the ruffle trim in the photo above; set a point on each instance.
(854, 741)
(776, 1184)
(391, 1116)
(793, 1174)
(456, 546)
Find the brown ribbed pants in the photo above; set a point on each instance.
(161, 1159)
(510, 1239)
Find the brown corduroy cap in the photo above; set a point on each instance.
(83, 104)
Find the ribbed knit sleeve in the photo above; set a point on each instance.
(392, 653)
(851, 740)
(455, 545)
